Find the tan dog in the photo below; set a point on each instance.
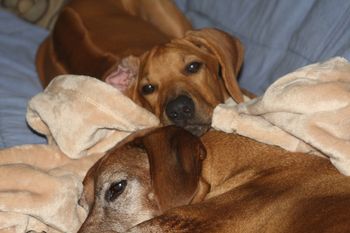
(128, 44)
(253, 188)
(182, 81)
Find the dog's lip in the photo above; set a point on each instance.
(197, 129)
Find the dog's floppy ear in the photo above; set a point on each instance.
(229, 52)
(124, 75)
(175, 157)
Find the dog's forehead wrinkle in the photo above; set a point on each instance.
(116, 174)
(146, 79)
(128, 162)
(168, 55)
(188, 58)
(190, 47)
(128, 154)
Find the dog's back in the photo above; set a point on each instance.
(92, 36)
(261, 188)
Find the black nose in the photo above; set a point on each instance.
(180, 109)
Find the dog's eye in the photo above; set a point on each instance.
(193, 67)
(115, 190)
(148, 89)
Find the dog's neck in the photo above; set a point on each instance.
(242, 159)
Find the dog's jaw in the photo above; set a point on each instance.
(198, 125)
(196, 119)
(197, 130)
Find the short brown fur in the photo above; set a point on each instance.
(261, 188)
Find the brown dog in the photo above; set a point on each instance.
(253, 188)
(130, 183)
(127, 44)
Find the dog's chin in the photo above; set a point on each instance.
(197, 130)
(194, 126)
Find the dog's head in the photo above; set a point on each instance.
(182, 81)
(150, 172)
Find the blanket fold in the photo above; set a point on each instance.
(39, 189)
(306, 111)
(83, 115)
(82, 118)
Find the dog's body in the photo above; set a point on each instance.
(253, 187)
(90, 37)
(129, 184)
(146, 50)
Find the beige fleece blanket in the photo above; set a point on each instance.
(82, 118)
(306, 111)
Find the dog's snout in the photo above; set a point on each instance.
(180, 109)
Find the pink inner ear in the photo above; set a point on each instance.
(121, 78)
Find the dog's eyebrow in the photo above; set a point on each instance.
(183, 58)
(146, 77)
(114, 176)
(190, 58)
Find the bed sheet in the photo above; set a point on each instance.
(279, 36)
(18, 78)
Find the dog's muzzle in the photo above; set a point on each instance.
(181, 111)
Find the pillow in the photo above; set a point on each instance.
(18, 78)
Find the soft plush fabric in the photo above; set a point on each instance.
(18, 79)
(40, 184)
(40, 188)
(84, 115)
(279, 36)
(307, 111)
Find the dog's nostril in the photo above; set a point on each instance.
(173, 115)
(180, 109)
(186, 109)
